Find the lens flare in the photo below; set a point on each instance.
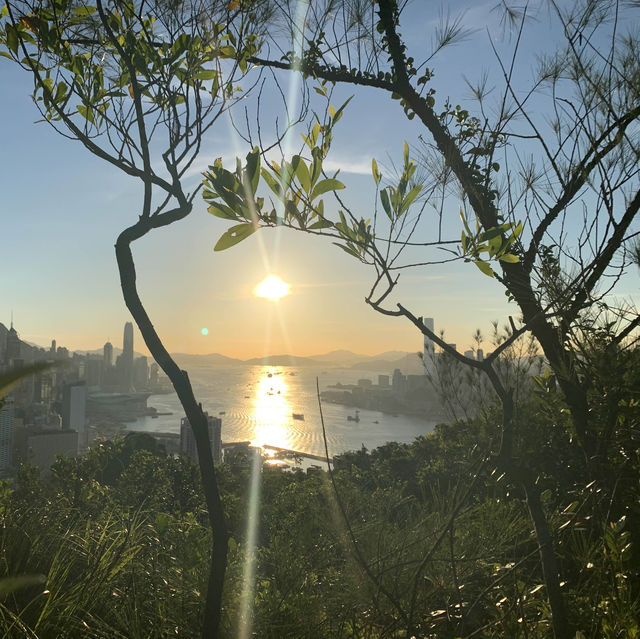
(272, 288)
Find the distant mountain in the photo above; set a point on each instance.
(116, 351)
(383, 363)
(339, 357)
(381, 366)
(393, 355)
(282, 360)
(210, 359)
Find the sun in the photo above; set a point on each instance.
(272, 287)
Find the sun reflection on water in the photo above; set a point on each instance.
(272, 410)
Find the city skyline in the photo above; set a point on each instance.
(66, 285)
(71, 220)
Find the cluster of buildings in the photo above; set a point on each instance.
(54, 410)
(411, 394)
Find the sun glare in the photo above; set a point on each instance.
(272, 288)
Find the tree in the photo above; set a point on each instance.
(139, 86)
(579, 157)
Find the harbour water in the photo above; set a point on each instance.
(257, 403)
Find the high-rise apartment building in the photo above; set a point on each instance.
(188, 442)
(74, 408)
(125, 361)
(107, 355)
(429, 356)
(140, 373)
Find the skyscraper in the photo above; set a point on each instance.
(107, 357)
(429, 348)
(13, 345)
(127, 340)
(74, 405)
(126, 359)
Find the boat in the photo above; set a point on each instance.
(354, 418)
(222, 412)
(299, 416)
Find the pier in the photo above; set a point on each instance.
(278, 449)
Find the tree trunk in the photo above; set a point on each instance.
(197, 419)
(559, 620)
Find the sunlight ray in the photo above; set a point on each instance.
(249, 572)
(248, 590)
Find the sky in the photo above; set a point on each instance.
(62, 210)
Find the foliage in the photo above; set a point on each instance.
(122, 553)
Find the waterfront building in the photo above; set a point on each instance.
(469, 354)
(140, 374)
(74, 408)
(93, 369)
(398, 381)
(429, 357)
(383, 381)
(188, 442)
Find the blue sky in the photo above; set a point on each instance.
(62, 210)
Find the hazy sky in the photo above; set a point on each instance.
(62, 209)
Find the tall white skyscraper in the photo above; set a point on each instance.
(429, 348)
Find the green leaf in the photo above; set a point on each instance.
(252, 170)
(320, 224)
(348, 249)
(86, 113)
(386, 204)
(338, 114)
(84, 10)
(234, 235)
(517, 231)
(330, 184)
(220, 210)
(464, 221)
(509, 257)
(205, 74)
(484, 267)
(490, 234)
(410, 198)
(274, 185)
(12, 38)
(302, 173)
(377, 176)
